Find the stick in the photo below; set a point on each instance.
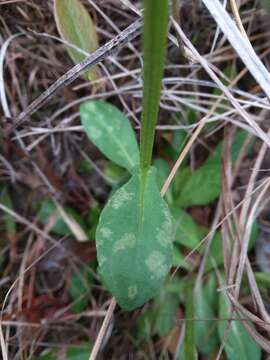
(240, 44)
(103, 330)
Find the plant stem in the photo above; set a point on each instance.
(154, 50)
(189, 329)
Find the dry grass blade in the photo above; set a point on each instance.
(73, 225)
(194, 54)
(100, 54)
(247, 217)
(3, 344)
(240, 43)
(3, 98)
(103, 330)
(238, 18)
(264, 343)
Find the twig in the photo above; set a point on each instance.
(238, 18)
(3, 98)
(240, 44)
(103, 330)
(194, 54)
(99, 55)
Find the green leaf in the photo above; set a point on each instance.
(238, 142)
(165, 306)
(134, 241)
(73, 353)
(48, 356)
(163, 171)
(111, 132)
(80, 288)
(238, 343)
(216, 248)
(93, 216)
(78, 353)
(144, 325)
(181, 177)
(154, 50)
(47, 209)
(187, 232)
(203, 186)
(77, 28)
(179, 259)
(215, 257)
(176, 286)
(114, 172)
(178, 142)
(161, 317)
(92, 221)
(85, 166)
(172, 143)
(210, 289)
(263, 279)
(206, 335)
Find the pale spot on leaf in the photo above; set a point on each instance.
(106, 232)
(128, 241)
(101, 260)
(95, 132)
(120, 198)
(91, 106)
(164, 232)
(156, 263)
(132, 291)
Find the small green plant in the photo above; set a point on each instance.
(134, 235)
(136, 229)
(135, 232)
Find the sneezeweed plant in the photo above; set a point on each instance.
(135, 232)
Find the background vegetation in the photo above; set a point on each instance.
(55, 180)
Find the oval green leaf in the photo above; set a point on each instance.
(77, 28)
(163, 171)
(134, 241)
(202, 187)
(187, 232)
(110, 130)
(206, 335)
(165, 308)
(80, 288)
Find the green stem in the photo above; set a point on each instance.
(189, 331)
(154, 50)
